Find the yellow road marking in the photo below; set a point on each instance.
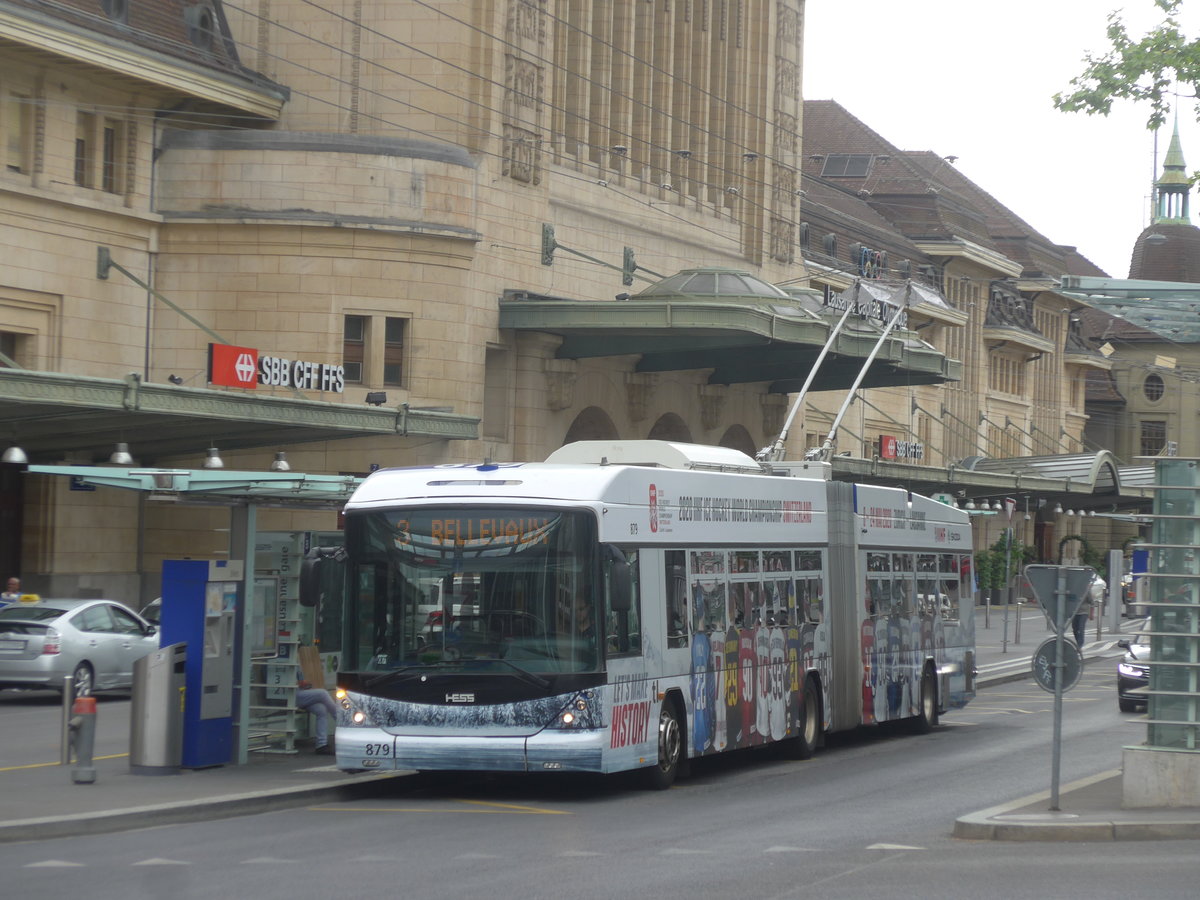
(496, 808)
(516, 807)
(44, 765)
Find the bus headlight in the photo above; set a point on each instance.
(351, 713)
(579, 712)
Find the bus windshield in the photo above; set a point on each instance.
(473, 589)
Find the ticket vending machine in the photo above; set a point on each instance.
(199, 608)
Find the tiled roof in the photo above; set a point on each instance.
(922, 194)
(1167, 252)
(166, 27)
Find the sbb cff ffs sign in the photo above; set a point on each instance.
(892, 448)
(243, 367)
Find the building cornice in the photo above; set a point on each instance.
(141, 65)
(972, 252)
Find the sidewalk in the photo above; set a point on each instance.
(41, 801)
(1000, 658)
(1090, 808)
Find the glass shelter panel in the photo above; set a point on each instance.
(1174, 704)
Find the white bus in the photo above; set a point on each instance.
(636, 604)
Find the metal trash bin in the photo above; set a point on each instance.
(156, 712)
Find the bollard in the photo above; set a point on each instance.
(83, 738)
(68, 701)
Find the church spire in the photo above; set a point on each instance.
(1173, 186)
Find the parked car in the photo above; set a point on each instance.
(152, 611)
(1133, 673)
(94, 641)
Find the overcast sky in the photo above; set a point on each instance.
(975, 80)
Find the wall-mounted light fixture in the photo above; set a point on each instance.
(376, 398)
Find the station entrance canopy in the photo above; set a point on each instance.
(216, 487)
(746, 330)
(1086, 482)
(52, 416)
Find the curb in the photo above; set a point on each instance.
(1065, 827)
(1054, 826)
(245, 804)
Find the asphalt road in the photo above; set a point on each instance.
(33, 719)
(870, 816)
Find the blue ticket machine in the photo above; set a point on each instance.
(199, 608)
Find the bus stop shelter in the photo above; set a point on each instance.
(244, 493)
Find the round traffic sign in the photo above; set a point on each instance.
(1043, 664)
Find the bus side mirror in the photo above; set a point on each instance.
(620, 581)
(312, 568)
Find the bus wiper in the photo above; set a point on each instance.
(538, 680)
(405, 673)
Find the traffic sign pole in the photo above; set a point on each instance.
(1056, 757)
(1064, 584)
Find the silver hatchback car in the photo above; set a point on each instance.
(93, 641)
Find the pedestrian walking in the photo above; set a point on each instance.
(1094, 599)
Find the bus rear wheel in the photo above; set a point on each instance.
(926, 716)
(662, 774)
(804, 744)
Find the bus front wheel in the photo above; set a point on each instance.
(662, 775)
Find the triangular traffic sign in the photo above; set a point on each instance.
(1045, 582)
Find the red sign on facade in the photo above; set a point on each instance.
(892, 448)
(232, 366)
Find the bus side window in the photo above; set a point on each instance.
(676, 594)
(623, 628)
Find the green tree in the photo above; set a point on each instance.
(1150, 70)
(990, 563)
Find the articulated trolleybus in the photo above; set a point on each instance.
(632, 605)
